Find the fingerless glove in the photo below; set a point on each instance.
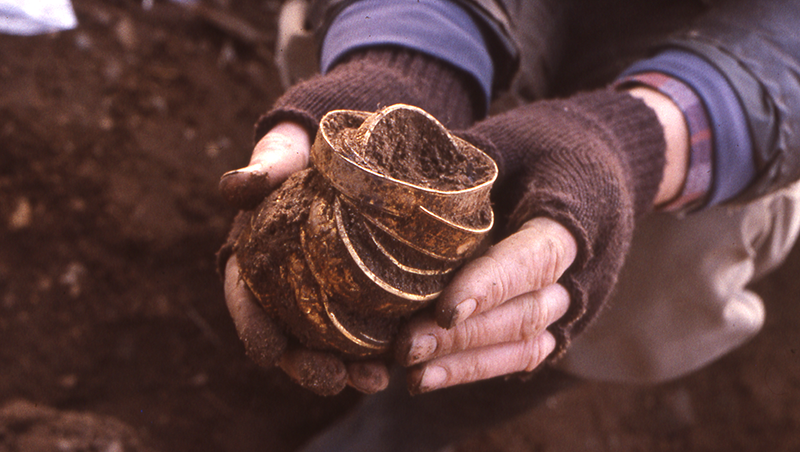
(592, 162)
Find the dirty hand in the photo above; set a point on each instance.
(280, 153)
(495, 313)
(574, 175)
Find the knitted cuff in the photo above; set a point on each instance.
(624, 123)
(635, 133)
(370, 79)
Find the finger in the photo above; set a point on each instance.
(284, 150)
(368, 377)
(481, 364)
(531, 258)
(262, 338)
(519, 319)
(319, 372)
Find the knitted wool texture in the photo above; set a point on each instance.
(592, 162)
(376, 78)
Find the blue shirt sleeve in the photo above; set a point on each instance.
(438, 28)
(734, 165)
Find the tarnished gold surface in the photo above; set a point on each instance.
(371, 246)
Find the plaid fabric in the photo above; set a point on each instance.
(700, 172)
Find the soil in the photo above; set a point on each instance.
(393, 145)
(112, 140)
(270, 255)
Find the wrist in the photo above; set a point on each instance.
(676, 137)
(633, 136)
(721, 149)
(688, 129)
(442, 29)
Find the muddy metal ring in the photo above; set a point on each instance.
(366, 249)
(396, 196)
(419, 216)
(431, 234)
(360, 283)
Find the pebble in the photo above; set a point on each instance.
(125, 32)
(72, 278)
(83, 41)
(22, 217)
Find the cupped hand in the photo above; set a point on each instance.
(280, 153)
(492, 319)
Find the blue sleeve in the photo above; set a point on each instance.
(734, 164)
(437, 28)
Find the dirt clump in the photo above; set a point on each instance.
(318, 252)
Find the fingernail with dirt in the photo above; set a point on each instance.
(367, 377)
(463, 311)
(421, 349)
(432, 378)
(247, 170)
(244, 187)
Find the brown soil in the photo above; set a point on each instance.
(269, 252)
(112, 140)
(393, 149)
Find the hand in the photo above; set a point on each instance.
(281, 152)
(492, 319)
(575, 173)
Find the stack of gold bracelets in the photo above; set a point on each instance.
(392, 206)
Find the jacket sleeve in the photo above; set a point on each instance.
(756, 45)
(491, 15)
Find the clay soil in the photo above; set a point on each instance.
(113, 331)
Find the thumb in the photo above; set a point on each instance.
(284, 150)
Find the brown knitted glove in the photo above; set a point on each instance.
(593, 163)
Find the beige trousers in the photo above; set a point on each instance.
(682, 300)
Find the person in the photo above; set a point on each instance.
(648, 153)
